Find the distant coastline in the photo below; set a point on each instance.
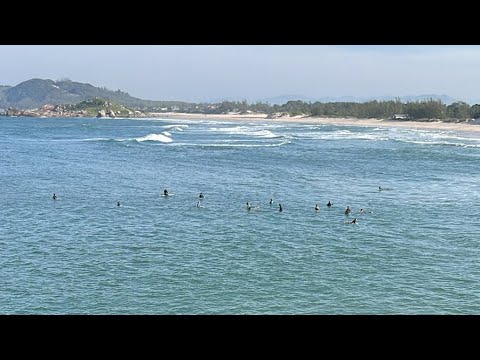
(66, 98)
(425, 125)
(462, 126)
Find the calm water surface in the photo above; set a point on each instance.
(415, 251)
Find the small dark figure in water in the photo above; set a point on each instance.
(316, 207)
(165, 192)
(354, 221)
(200, 196)
(348, 210)
(379, 188)
(54, 196)
(249, 207)
(280, 207)
(118, 204)
(362, 211)
(271, 201)
(329, 203)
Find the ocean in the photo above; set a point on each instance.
(415, 250)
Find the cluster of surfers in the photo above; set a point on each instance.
(348, 210)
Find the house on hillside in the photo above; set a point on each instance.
(400, 116)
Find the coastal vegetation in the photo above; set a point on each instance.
(96, 106)
(413, 110)
(37, 97)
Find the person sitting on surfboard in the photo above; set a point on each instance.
(118, 203)
(348, 210)
(280, 208)
(200, 196)
(165, 192)
(329, 203)
(316, 207)
(54, 196)
(271, 201)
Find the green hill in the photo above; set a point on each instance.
(35, 93)
(92, 107)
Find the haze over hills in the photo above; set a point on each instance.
(35, 93)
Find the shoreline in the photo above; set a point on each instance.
(473, 130)
(419, 125)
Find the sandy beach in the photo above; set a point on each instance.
(436, 125)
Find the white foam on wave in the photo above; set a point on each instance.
(245, 130)
(150, 137)
(446, 143)
(215, 122)
(265, 134)
(343, 135)
(418, 136)
(154, 137)
(176, 127)
(433, 137)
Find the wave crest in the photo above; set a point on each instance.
(154, 137)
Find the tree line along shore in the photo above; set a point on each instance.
(425, 110)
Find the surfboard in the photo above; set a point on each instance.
(169, 194)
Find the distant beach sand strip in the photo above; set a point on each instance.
(434, 125)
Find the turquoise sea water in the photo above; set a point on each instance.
(415, 251)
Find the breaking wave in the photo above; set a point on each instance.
(154, 137)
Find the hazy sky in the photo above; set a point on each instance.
(202, 73)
